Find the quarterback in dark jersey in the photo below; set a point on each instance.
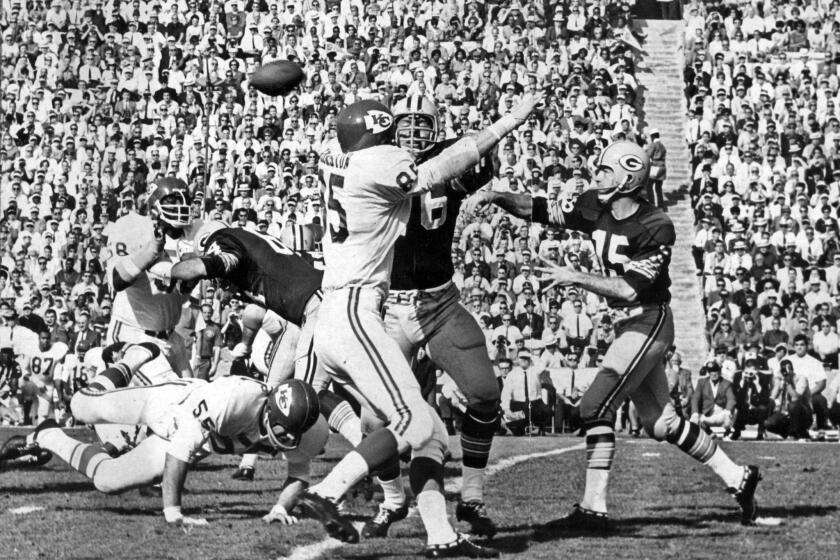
(268, 273)
(632, 240)
(424, 309)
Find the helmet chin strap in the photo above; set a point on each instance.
(616, 193)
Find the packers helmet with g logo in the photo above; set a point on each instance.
(630, 167)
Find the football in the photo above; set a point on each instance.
(277, 78)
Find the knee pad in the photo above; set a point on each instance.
(436, 446)
(480, 423)
(666, 425)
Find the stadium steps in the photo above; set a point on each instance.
(663, 106)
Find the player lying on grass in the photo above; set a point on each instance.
(633, 241)
(189, 419)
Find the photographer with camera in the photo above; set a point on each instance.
(793, 404)
(752, 398)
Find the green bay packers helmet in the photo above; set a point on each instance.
(418, 128)
(630, 167)
(364, 124)
(290, 409)
(169, 202)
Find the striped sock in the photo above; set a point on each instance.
(115, 377)
(697, 443)
(600, 450)
(344, 421)
(477, 433)
(692, 440)
(82, 457)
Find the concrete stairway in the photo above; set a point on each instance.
(663, 106)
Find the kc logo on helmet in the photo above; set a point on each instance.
(378, 121)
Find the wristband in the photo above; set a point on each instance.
(172, 513)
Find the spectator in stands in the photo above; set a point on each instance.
(812, 369)
(679, 379)
(792, 399)
(752, 396)
(522, 397)
(713, 401)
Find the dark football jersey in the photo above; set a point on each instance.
(267, 271)
(637, 248)
(423, 256)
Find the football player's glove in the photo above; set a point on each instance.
(169, 202)
(628, 167)
(364, 124)
(290, 409)
(417, 126)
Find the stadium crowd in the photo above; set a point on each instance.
(763, 128)
(101, 98)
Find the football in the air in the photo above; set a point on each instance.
(277, 78)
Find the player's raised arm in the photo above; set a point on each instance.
(213, 261)
(466, 153)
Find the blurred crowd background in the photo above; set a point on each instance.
(101, 98)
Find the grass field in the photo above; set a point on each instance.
(666, 507)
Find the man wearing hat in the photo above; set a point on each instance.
(522, 397)
(713, 401)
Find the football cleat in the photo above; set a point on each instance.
(579, 520)
(23, 453)
(378, 526)
(324, 510)
(475, 514)
(243, 473)
(745, 494)
(461, 547)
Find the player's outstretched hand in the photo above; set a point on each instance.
(278, 514)
(478, 202)
(557, 275)
(526, 105)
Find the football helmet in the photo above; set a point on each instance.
(290, 409)
(364, 124)
(629, 167)
(417, 126)
(169, 202)
(203, 235)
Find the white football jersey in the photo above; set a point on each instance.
(147, 304)
(224, 414)
(368, 205)
(44, 365)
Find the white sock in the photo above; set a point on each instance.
(432, 507)
(472, 485)
(595, 493)
(731, 472)
(249, 461)
(344, 476)
(394, 492)
(58, 443)
(345, 422)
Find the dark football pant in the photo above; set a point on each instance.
(455, 341)
(633, 367)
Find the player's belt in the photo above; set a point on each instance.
(158, 334)
(412, 296)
